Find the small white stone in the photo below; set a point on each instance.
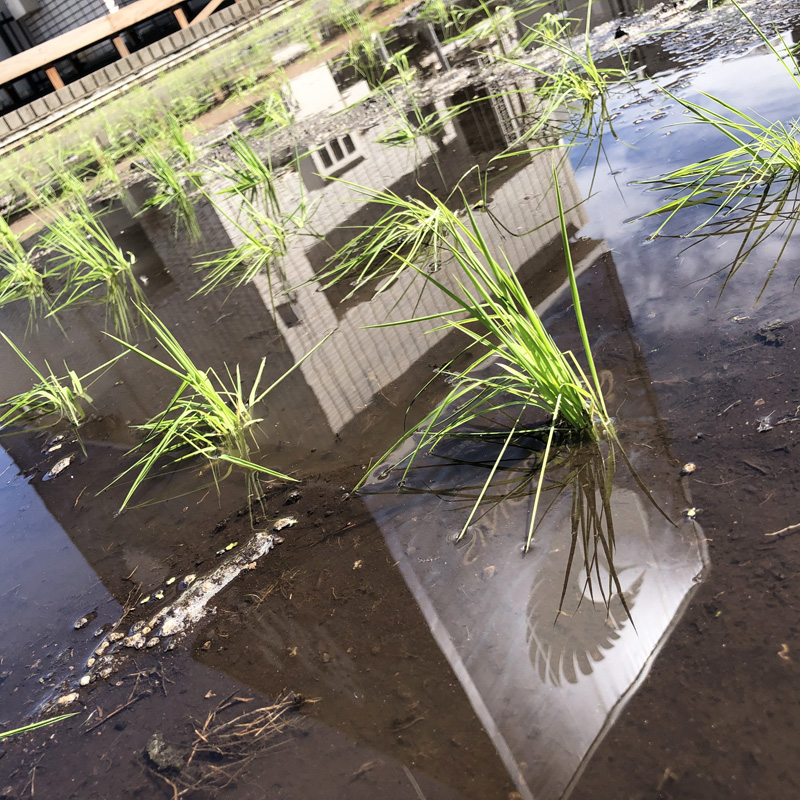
(67, 699)
(85, 680)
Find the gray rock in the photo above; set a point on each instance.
(164, 756)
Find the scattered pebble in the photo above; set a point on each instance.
(187, 581)
(85, 620)
(152, 642)
(67, 699)
(283, 523)
(164, 756)
(137, 641)
(60, 466)
(688, 469)
(85, 680)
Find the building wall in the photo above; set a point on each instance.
(55, 17)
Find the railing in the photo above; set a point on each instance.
(111, 27)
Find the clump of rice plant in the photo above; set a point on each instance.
(264, 242)
(573, 83)
(265, 229)
(209, 417)
(106, 168)
(178, 141)
(520, 368)
(249, 176)
(413, 123)
(62, 398)
(410, 232)
(450, 17)
(97, 270)
(20, 279)
(173, 189)
(273, 111)
(490, 307)
(343, 15)
(367, 54)
(752, 188)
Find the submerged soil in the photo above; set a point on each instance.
(377, 628)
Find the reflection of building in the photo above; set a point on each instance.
(336, 392)
(355, 389)
(544, 646)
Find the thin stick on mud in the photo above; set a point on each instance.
(785, 531)
(413, 781)
(116, 711)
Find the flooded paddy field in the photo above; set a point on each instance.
(445, 630)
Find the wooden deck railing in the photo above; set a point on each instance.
(109, 27)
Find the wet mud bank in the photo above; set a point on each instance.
(379, 698)
(715, 716)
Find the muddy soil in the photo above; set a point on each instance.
(303, 622)
(716, 716)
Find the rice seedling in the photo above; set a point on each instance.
(520, 369)
(408, 131)
(484, 25)
(367, 54)
(271, 113)
(249, 177)
(411, 233)
(178, 141)
(106, 166)
(62, 398)
(765, 153)
(264, 241)
(343, 16)
(412, 122)
(450, 17)
(306, 25)
(173, 190)
(209, 417)
(265, 230)
(490, 307)
(572, 92)
(36, 725)
(97, 270)
(751, 189)
(21, 279)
